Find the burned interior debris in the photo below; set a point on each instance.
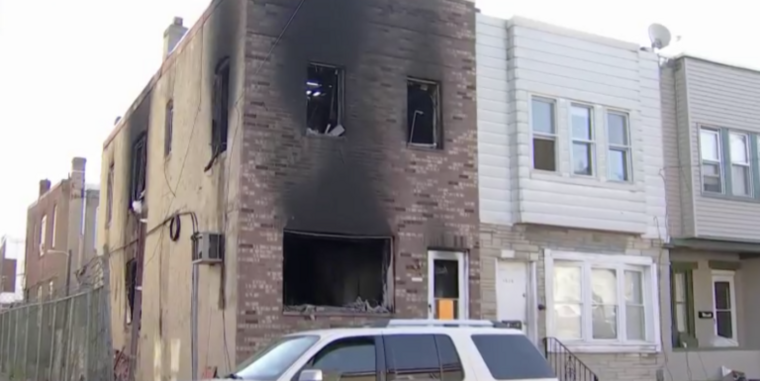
(337, 273)
(423, 113)
(324, 100)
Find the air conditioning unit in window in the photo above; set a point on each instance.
(208, 248)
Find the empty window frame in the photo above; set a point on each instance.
(55, 225)
(130, 283)
(139, 168)
(337, 273)
(324, 100)
(741, 178)
(423, 113)
(619, 146)
(710, 152)
(109, 194)
(43, 233)
(168, 127)
(582, 129)
(221, 107)
(544, 128)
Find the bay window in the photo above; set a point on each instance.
(602, 301)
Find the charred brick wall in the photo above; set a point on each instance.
(369, 181)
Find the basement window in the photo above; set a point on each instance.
(324, 100)
(423, 113)
(337, 274)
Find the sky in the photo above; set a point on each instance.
(68, 68)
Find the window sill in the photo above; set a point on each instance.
(424, 148)
(346, 313)
(588, 181)
(728, 197)
(712, 349)
(585, 347)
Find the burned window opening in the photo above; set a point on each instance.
(130, 282)
(221, 107)
(337, 273)
(139, 168)
(423, 113)
(168, 127)
(109, 193)
(324, 100)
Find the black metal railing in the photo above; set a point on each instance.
(565, 363)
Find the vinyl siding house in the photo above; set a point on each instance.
(711, 126)
(572, 195)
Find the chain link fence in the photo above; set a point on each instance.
(64, 339)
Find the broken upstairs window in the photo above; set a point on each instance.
(324, 100)
(221, 107)
(337, 273)
(423, 113)
(139, 167)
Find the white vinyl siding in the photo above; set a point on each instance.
(624, 191)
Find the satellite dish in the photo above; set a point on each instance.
(659, 35)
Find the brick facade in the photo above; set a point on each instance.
(528, 241)
(368, 181)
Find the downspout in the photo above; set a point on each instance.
(194, 323)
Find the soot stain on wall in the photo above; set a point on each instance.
(339, 185)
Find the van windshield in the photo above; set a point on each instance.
(270, 363)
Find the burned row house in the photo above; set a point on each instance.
(292, 165)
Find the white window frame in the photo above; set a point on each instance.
(626, 149)
(746, 165)
(729, 277)
(590, 142)
(542, 135)
(43, 233)
(55, 223)
(463, 268)
(719, 163)
(620, 263)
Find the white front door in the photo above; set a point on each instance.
(448, 296)
(512, 292)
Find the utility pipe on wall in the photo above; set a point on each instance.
(194, 322)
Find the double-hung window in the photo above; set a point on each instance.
(544, 127)
(741, 180)
(712, 171)
(619, 146)
(600, 300)
(583, 140)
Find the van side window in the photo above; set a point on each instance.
(512, 357)
(410, 357)
(351, 358)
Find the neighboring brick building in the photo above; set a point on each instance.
(56, 235)
(11, 270)
(357, 137)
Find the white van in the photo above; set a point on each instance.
(401, 350)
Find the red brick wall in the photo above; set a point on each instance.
(369, 181)
(40, 270)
